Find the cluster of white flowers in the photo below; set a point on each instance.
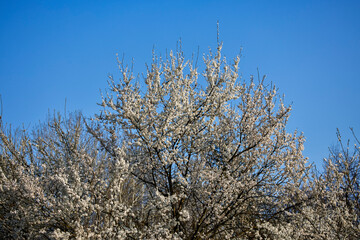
(58, 184)
(175, 158)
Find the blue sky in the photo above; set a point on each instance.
(56, 50)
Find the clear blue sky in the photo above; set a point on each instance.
(52, 50)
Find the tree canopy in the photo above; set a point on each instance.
(182, 154)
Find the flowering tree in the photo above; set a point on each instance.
(342, 180)
(332, 208)
(183, 155)
(213, 155)
(338, 201)
(58, 184)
